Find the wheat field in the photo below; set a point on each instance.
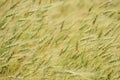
(59, 39)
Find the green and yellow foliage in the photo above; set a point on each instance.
(59, 39)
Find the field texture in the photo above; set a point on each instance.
(59, 39)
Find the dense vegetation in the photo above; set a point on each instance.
(59, 39)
